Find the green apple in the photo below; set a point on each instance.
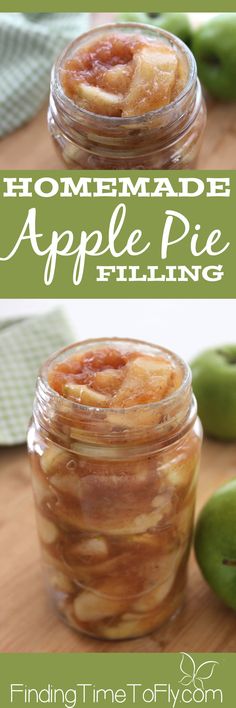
(214, 385)
(214, 47)
(215, 543)
(175, 22)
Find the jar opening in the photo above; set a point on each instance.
(109, 122)
(141, 346)
(74, 424)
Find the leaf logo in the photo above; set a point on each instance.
(193, 675)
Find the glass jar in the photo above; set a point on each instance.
(115, 492)
(167, 138)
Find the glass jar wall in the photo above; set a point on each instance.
(115, 492)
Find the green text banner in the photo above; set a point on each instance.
(118, 235)
(106, 680)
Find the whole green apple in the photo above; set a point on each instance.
(175, 22)
(214, 47)
(214, 385)
(215, 543)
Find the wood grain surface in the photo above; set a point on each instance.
(28, 621)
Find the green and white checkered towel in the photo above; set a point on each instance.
(24, 346)
(29, 45)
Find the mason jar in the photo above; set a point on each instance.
(167, 138)
(114, 492)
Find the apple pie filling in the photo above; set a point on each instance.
(126, 96)
(115, 449)
(124, 75)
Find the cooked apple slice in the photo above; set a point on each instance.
(52, 458)
(147, 380)
(97, 100)
(60, 582)
(91, 607)
(117, 78)
(47, 530)
(85, 395)
(108, 381)
(157, 365)
(123, 629)
(153, 80)
(151, 600)
(93, 549)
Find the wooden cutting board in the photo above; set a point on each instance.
(29, 623)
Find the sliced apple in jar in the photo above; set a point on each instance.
(96, 100)
(147, 380)
(85, 395)
(117, 78)
(153, 80)
(108, 381)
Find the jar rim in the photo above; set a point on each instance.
(71, 107)
(165, 402)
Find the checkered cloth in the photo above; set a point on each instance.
(29, 45)
(24, 346)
